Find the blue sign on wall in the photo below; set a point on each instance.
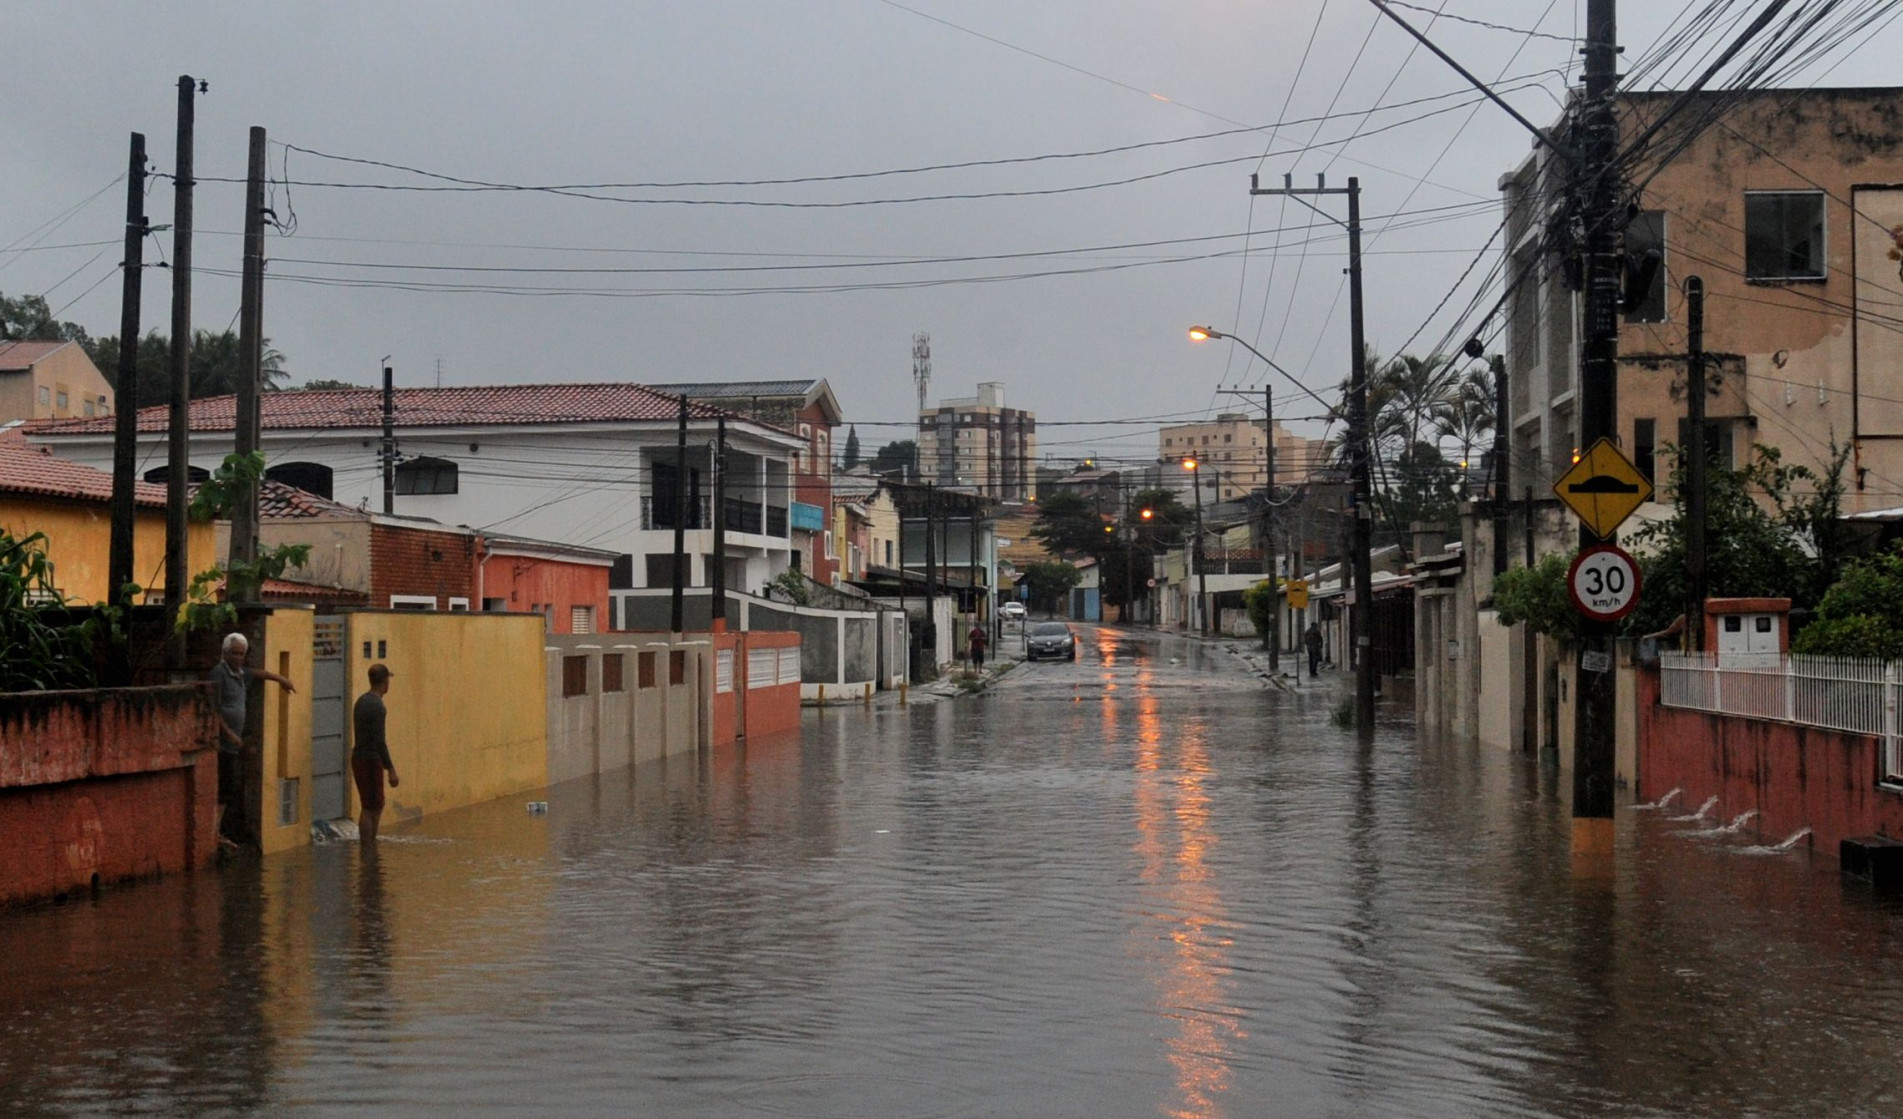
(808, 517)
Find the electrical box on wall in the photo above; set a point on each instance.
(1748, 630)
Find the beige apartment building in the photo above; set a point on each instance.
(1232, 447)
(50, 380)
(1789, 205)
(978, 444)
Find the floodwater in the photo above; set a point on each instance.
(1139, 885)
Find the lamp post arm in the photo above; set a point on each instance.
(1272, 365)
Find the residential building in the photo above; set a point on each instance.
(1233, 447)
(48, 380)
(71, 505)
(591, 465)
(1784, 204)
(806, 408)
(976, 443)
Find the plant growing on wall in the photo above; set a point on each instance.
(216, 497)
(795, 586)
(41, 649)
(1536, 597)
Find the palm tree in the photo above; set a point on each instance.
(1469, 417)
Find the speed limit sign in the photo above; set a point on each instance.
(1604, 583)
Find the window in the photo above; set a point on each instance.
(723, 670)
(1646, 234)
(644, 670)
(426, 476)
(1645, 447)
(581, 619)
(494, 605)
(574, 676)
(677, 666)
(46, 396)
(459, 605)
(160, 474)
(89, 407)
(64, 403)
(1228, 437)
(1784, 235)
(888, 553)
(763, 668)
(611, 673)
(790, 665)
(412, 602)
(311, 477)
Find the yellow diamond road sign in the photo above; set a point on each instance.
(1603, 487)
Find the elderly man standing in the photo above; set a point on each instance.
(232, 677)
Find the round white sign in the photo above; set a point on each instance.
(1604, 583)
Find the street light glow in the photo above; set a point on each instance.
(1148, 513)
(1189, 464)
(1203, 333)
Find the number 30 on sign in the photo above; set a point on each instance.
(1604, 583)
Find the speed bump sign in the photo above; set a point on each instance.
(1297, 594)
(1603, 488)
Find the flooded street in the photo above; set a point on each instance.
(1137, 885)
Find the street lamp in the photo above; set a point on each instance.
(1202, 575)
(1149, 564)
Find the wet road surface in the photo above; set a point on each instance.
(1141, 884)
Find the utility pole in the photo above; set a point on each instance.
(242, 586)
(1594, 706)
(1502, 462)
(678, 605)
(178, 426)
(718, 576)
(1196, 553)
(386, 450)
(928, 632)
(1695, 469)
(1359, 468)
(125, 423)
(1274, 636)
(1529, 669)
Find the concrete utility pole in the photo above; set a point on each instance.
(125, 423)
(244, 515)
(678, 606)
(1502, 461)
(178, 426)
(718, 576)
(1359, 467)
(1695, 469)
(1594, 706)
(386, 449)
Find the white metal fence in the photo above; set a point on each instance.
(1839, 693)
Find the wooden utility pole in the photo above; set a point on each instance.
(1696, 467)
(178, 431)
(242, 584)
(1603, 266)
(718, 576)
(125, 423)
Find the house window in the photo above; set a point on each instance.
(1228, 437)
(644, 670)
(581, 619)
(574, 676)
(1646, 234)
(677, 666)
(723, 670)
(46, 396)
(89, 407)
(459, 605)
(426, 476)
(1784, 235)
(412, 602)
(64, 403)
(495, 605)
(1645, 439)
(311, 477)
(611, 673)
(888, 553)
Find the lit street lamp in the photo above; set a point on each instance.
(1202, 578)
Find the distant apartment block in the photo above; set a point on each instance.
(975, 443)
(1233, 450)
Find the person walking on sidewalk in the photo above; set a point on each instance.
(1312, 639)
(370, 754)
(976, 641)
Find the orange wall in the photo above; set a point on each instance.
(526, 582)
(762, 710)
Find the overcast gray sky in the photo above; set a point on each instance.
(725, 90)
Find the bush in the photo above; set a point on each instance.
(1261, 601)
(1857, 636)
(1536, 597)
(1862, 613)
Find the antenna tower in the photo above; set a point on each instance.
(922, 365)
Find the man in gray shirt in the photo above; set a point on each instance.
(232, 677)
(370, 754)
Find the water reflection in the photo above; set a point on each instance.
(1191, 896)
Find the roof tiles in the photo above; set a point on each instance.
(36, 471)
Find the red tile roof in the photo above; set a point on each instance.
(36, 471)
(499, 405)
(23, 355)
(275, 499)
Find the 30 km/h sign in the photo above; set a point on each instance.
(1603, 487)
(1604, 583)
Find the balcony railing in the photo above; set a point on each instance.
(658, 512)
(742, 515)
(776, 520)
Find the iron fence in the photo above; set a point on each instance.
(1855, 694)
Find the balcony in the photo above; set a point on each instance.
(776, 520)
(743, 516)
(659, 512)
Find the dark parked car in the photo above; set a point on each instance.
(1050, 639)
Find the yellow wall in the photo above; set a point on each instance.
(287, 726)
(79, 537)
(468, 714)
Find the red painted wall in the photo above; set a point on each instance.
(1793, 776)
(117, 784)
(416, 561)
(525, 582)
(755, 711)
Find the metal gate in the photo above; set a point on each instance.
(328, 714)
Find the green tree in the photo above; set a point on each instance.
(896, 457)
(318, 384)
(1068, 525)
(28, 319)
(1170, 521)
(1862, 614)
(1536, 597)
(1050, 582)
(852, 447)
(1261, 601)
(214, 365)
